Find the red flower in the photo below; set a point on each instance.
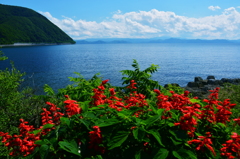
(203, 141)
(231, 146)
(72, 108)
(96, 139)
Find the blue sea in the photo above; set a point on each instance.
(179, 62)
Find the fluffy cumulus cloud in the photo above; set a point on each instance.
(213, 8)
(154, 23)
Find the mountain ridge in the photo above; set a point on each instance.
(152, 40)
(24, 25)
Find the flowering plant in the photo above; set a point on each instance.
(165, 125)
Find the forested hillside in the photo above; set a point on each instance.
(18, 24)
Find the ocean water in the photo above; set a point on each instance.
(179, 63)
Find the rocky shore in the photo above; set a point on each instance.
(200, 87)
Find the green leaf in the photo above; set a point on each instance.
(157, 136)
(138, 155)
(48, 90)
(175, 142)
(44, 151)
(85, 105)
(86, 123)
(48, 126)
(160, 111)
(36, 131)
(174, 134)
(151, 120)
(97, 157)
(41, 142)
(188, 152)
(171, 124)
(107, 122)
(195, 100)
(161, 154)
(135, 133)
(141, 133)
(221, 125)
(69, 147)
(65, 120)
(176, 155)
(118, 139)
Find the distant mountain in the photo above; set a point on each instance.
(175, 40)
(100, 42)
(23, 25)
(153, 40)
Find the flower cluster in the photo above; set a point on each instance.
(204, 141)
(50, 117)
(95, 140)
(133, 100)
(99, 97)
(223, 108)
(72, 107)
(230, 146)
(22, 144)
(190, 115)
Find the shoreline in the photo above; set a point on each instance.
(200, 87)
(31, 44)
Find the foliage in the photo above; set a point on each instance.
(107, 126)
(143, 78)
(231, 91)
(95, 120)
(18, 24)
(16, 103)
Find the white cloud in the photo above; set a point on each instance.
(213, 8)
(153, 23)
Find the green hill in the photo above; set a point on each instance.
(23, 25)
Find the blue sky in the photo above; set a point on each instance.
(81, 19)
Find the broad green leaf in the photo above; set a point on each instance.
(160, 111)
(176, 155)
(124, 115)
(48, 126)
(141, 133)
(65, 120)
(41, 142)
(138, 155)
(161, 154)
(36, 131)
(195, 100)
(151, 120)
(157, 136)
(135, 133)
(171, 124)
(107, 122)
(69, 147)
(84, 105)
(89, 115)
(86, 123)
(190, 154)
(118, 139)
(221, 125)
(44, 151)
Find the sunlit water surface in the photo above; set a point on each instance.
(179, 63)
